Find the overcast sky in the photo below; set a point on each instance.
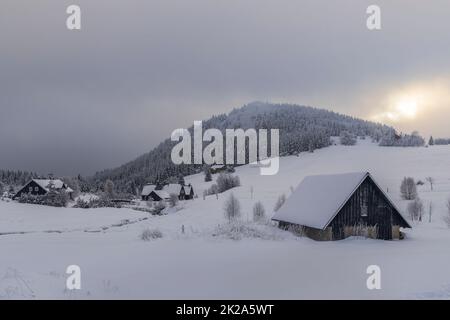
(81, 101)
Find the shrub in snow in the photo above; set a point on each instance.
(415, 209)
(83, 204)
(103, 201)
(159, 207)
(347, 139)
(280, 201)
(224, 182)
(151, 234)
(259, 213)
(52, 198)
(408, 189)
(173, 200)
(238, 230)
(232, 208)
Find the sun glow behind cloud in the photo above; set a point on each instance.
(413, 103)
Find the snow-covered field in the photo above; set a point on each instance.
(115, 263)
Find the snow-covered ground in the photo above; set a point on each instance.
(115, 263)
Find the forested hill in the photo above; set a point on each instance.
(301, 129)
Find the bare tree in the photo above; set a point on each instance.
(259, 212)
(415, 209)
(447, 216)
(408, 188)
(280, 201)
(430, 180)
(430, 210)
(232, 208)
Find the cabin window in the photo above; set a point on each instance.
(30, 189)
(36, 189)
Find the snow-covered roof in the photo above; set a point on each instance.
(147, 189)
(173, 188)
(45, 183)
(319, 198)
(162, 194)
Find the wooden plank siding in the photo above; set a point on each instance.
(379, 212)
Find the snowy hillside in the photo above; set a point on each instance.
(301, 129)
(270, 264)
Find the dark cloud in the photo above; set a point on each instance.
(81, 101)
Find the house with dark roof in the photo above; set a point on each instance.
(333, 207)
(42, 186)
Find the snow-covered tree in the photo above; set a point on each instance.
(109, 188)
(232, 208)
(347, 139)
(301, 129)
(73, 184)
(173, 199)
(280, 201)
(408, 189)
(415, 209)
(259, 213)
(447, 216)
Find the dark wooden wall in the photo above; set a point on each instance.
(379, 212)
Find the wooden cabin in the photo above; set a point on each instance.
(145, 194)
(333, 207)
(40, 187)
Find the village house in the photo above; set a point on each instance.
(40, 187)
(153, 192)
(333, 207)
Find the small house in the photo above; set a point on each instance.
(333, 207)
(188, 192)
(40, 187)
(146, 191)
(163, 192)
(158, 195)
